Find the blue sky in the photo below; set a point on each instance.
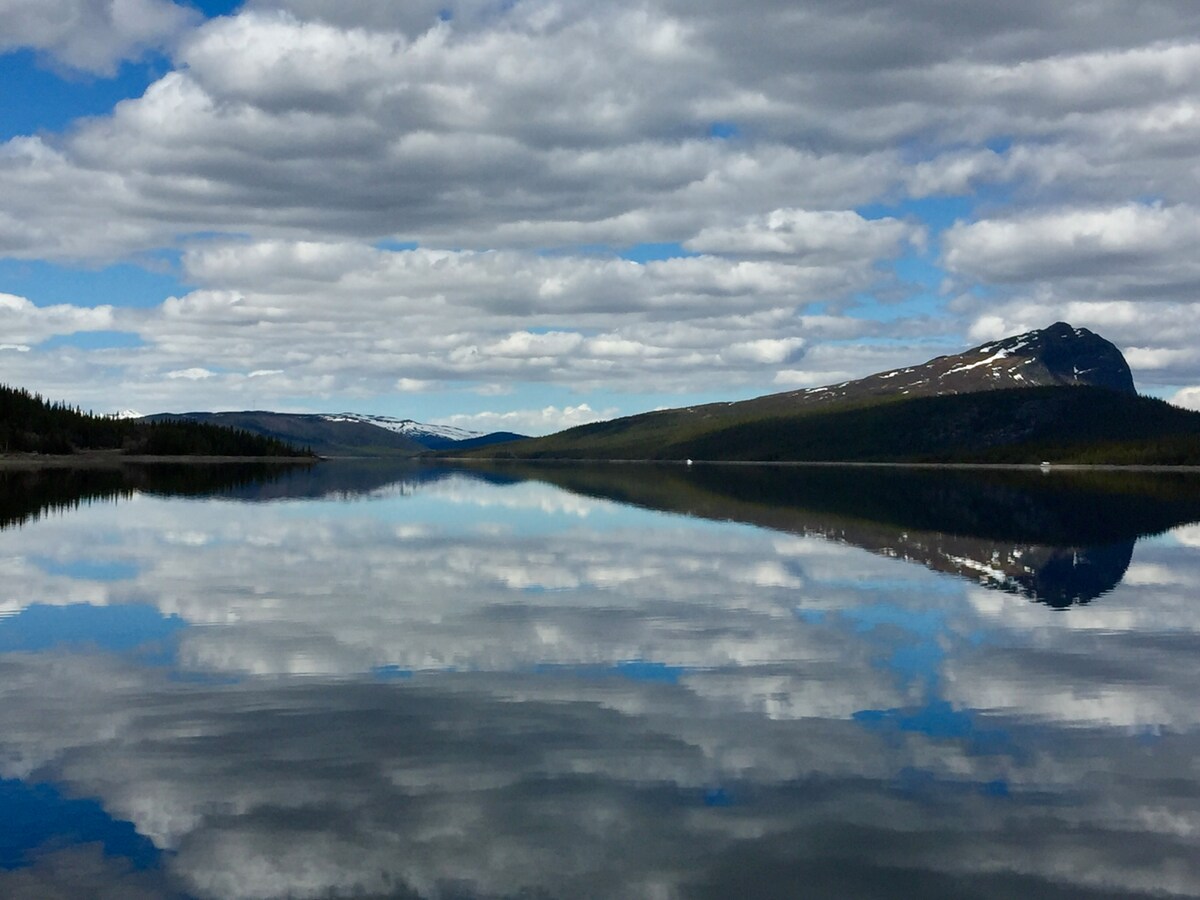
(533, 214)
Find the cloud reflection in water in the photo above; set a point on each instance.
(603, 701)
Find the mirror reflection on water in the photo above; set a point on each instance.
(366, 680)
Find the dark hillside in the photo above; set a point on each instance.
(331, 438)
(30, 424)
(1059, 393)
(1019, 425)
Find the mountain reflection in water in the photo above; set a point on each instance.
(359, 680)
(1061, 539)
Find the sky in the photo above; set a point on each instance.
(530, 214)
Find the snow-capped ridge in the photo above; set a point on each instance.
(1056, 355)
(408, 427)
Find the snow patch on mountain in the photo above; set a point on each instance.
(1058, 354)
(407, 427)
(966, 367)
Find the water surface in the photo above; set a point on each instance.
(624, 681)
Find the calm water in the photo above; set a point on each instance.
(621, 682)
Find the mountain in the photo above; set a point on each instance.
(346, 434)
(1060, 393)
(1058, 355)
(1055, 356)
(431, 437)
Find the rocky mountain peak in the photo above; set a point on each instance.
(1056, 355)
(1078, 356)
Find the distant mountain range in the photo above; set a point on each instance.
(346, 434)
(1060, 394)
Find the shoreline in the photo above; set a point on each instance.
(109, 459)
(1033, 467)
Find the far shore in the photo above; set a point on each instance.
(114, 459)
(1034, 467)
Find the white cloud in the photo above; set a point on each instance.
(815, 238)
(312, 133)
(546, 420)
(278, 319)
(767, 351)
(412, 385)
(1124, 244)
(955, 173)
(573, 123)
(788, 378)
(305, 316)
(1187, 535)
(519, 134)
(93, 35)
(193, 374)
(22, 323)
(523, 344)
(1160, 357)
(1188, 397)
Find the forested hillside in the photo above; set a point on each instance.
(1017, 425)
(31, 424)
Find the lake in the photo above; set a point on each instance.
(373, 680)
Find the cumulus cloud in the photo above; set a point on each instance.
(279, 317)
(1131, 248)
(822, 238)
(56, 872)
(193, 374)
(92, 35)
(546, 420)
(289, 118)
(480, 138)
(1188, 397)
(24, 323)
(488, 133)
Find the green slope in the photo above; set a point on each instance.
(1023, 425)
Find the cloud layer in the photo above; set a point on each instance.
(810, 170)
(92, 35)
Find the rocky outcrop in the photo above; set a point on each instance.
(1057, 355)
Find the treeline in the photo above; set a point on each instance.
(28, 494)
(31, 424)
